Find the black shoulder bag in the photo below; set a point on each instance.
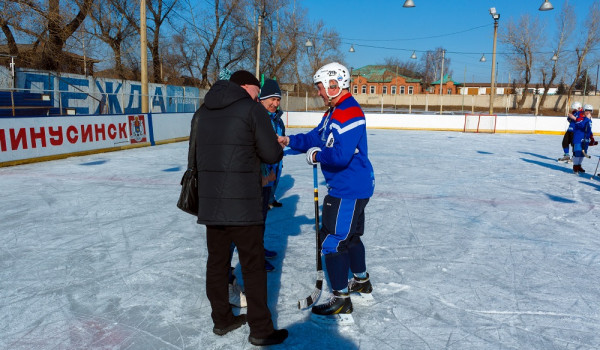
(188, 199)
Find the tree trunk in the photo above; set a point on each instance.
(115, 45)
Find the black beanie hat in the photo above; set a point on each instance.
(243, 77)
(270, 89)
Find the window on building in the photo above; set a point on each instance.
(402, 90)
(363, 89)
(449, 92)
(372, 89)
(410, 90)
(355, 89)
(384, 90)
(393, 90)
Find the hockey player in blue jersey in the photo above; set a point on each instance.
(567, 141)
(339, 144)
(582, 137)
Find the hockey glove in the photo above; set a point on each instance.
(593, 142)
(309, 155)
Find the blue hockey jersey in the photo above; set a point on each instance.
(342, 137)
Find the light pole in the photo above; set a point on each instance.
(261, 16)
(496, 16)
(351, 69)
(442, 81)
(396, 83)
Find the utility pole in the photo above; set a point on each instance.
(144, 56)
(260, 19)
(442, 80)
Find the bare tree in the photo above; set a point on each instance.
(325, 46)
(10, 17)
(48, 24)
(522, 40)
(406, 68)
(589, 41)
(565, 21)
(431, 66)
(159, 11)
(284, 32)
(205, 44)
(113, 29)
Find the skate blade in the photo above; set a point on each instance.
(362, 298)
(333, 320)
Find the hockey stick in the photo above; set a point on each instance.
(596, 171)
(585, 154)
(312, 298)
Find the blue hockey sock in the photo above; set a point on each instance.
(337, 265)
(361, 275)
(356, 249)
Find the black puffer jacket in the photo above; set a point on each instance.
(234, 135)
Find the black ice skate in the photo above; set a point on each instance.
(336, 310)
(361, 289)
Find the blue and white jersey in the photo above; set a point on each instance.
(342, 137)
(279, 129)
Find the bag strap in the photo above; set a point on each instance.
(192, 143)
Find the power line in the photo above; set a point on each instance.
(421, 38)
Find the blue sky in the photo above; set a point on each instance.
(379, 29)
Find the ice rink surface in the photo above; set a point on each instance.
(473, 242)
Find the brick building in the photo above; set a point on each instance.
(380, 80)
(450, 87)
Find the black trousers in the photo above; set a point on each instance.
(249, 243)
(567, 139)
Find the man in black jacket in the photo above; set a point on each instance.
(234, 135)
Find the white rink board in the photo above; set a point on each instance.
(23, 138)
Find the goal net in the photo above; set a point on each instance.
(480, 123)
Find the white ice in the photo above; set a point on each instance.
(473, 242)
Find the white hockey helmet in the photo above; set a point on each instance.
(332, 71)
(588, 108)
(576, 105)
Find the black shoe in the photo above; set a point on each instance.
(238, 321)
(339, 303)
(269, 254)
(360, 285)
(277, 337)
(276, 204)
(269, 267)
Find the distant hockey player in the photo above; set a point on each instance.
(568, 138)
(582, 137)
(339, 143)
